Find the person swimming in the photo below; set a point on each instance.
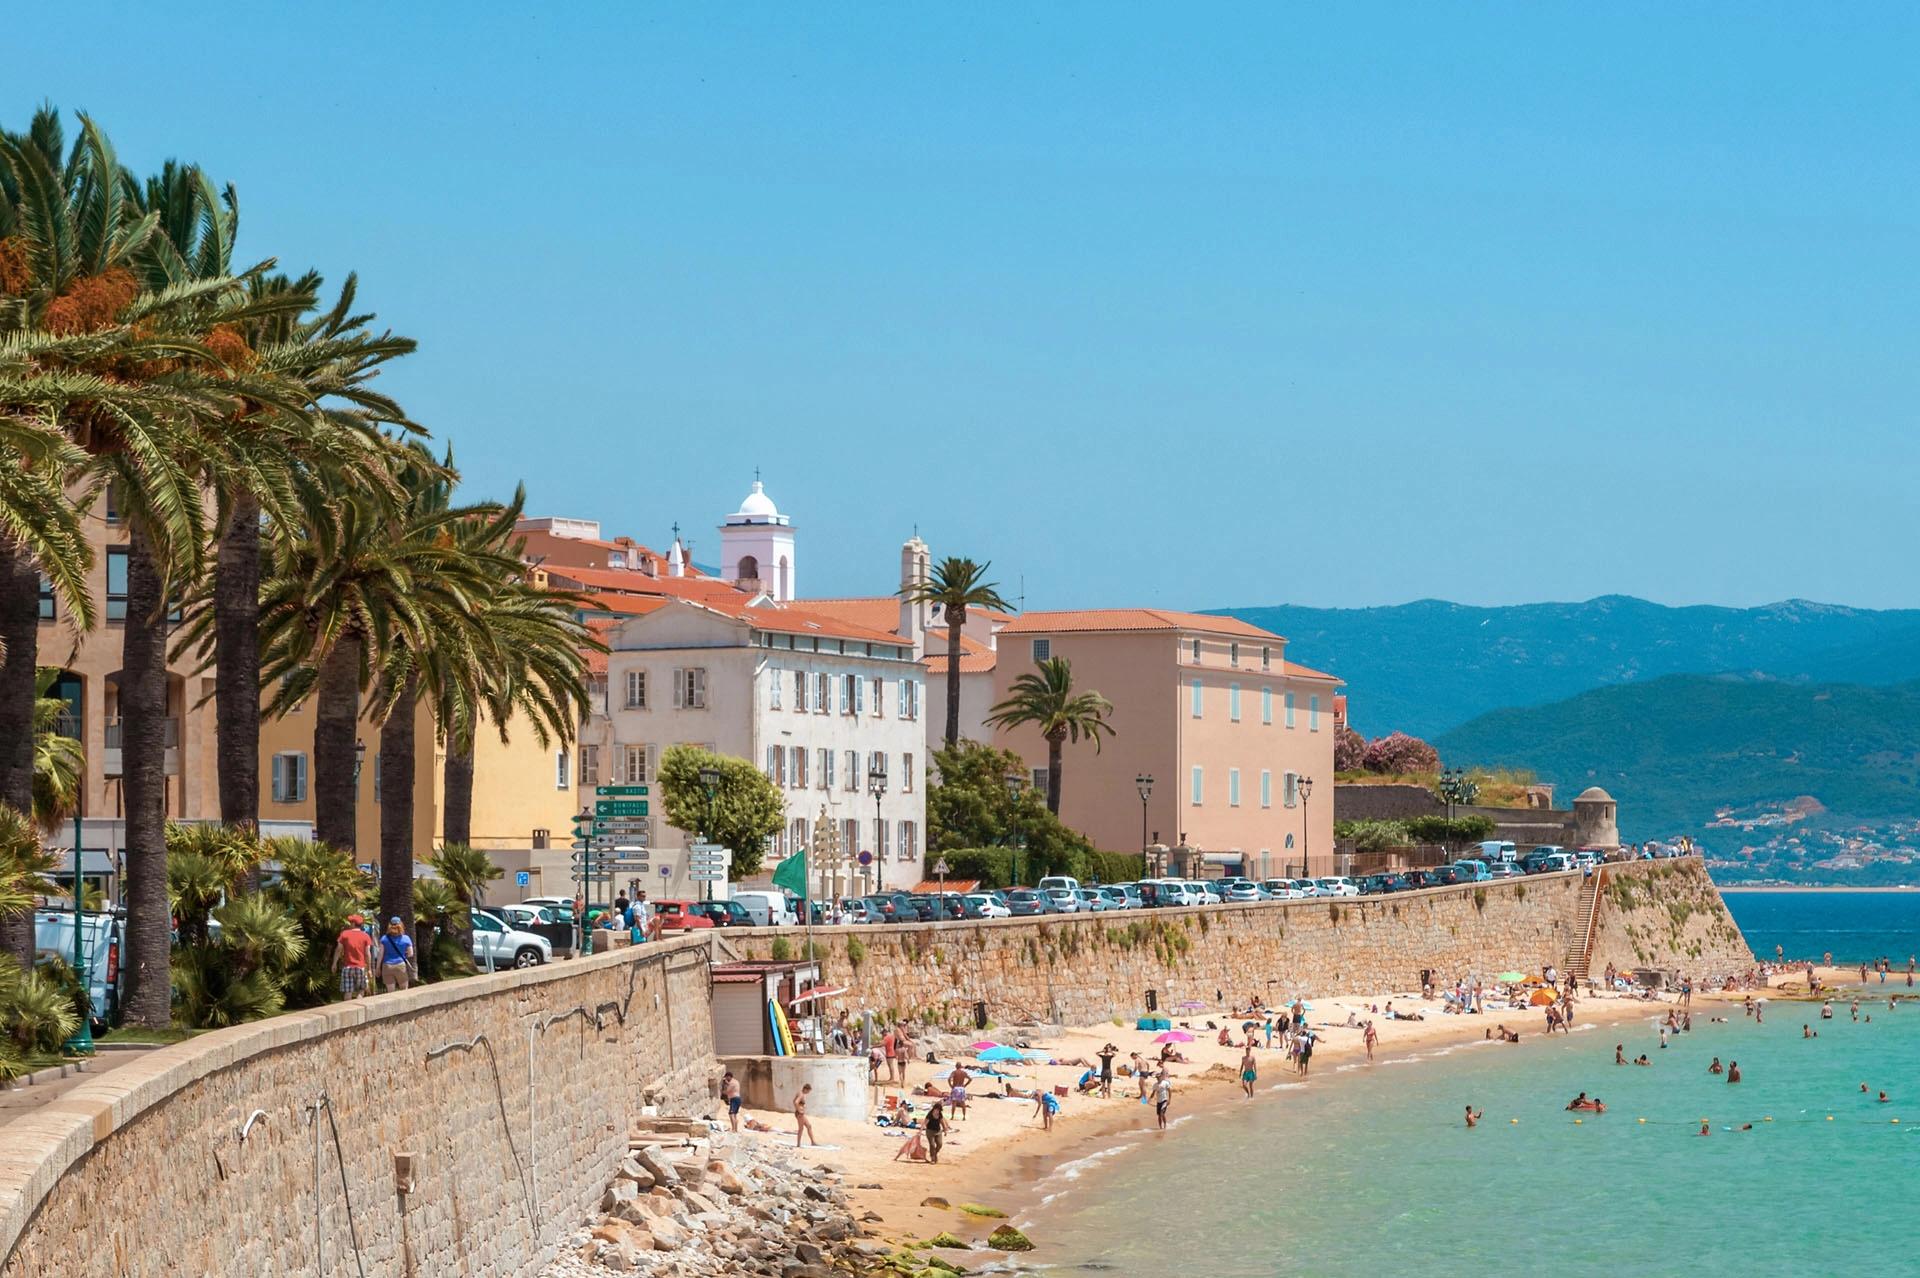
(1641, 1059)
(1578, 1101)
(1733, 1071)
(1619, 1053)
(1716, 1067)
(1473, 1116)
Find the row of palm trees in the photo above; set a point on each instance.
(286, 507)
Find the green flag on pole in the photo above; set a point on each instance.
(791, 874)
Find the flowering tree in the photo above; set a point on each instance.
(1349, 750)
(1397, 752)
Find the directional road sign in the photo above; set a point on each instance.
(702, 874)
(620, 791)
(620, 807)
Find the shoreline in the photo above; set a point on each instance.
(1895, 890)
(1006, 1164)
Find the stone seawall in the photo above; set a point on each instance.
(513, 1092)
(1082, 969)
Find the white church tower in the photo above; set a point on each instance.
(756, 547)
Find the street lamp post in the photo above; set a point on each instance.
(877, 786)
(1012, 838)
(1144, 784)
(81, 1044)
(710, 782)
(1306, 827)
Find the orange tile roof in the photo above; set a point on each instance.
(1294, 670)
(625, 605)
(599, 628)
(877, 612)
(782, 619)
(975, 658)
(1098, 619)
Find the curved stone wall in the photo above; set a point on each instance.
(513, 1091)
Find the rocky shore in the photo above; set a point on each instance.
(692, 1200)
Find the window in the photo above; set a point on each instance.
(1233, 702)
(799, 692)
(1313, 714)
(879, 696)
(589, 765)
(906, 774)
(773, 692)
(909, 840)
(113, 502)
(779, 772)
(1233, 654)
(1199, 785)
(1042, 650)
(850, 836)
(1196, 698)
(562, 770)
(847, 685)
(633, 764)
(826, 769)
(1289, 789)
(859, 694)
(690, 689)
(822, 693)
(1233, 787)
(877, 762)
(852, 761)
(800, 757)
(1266, 705)
(636, 690)
(290, 777)
(909, 699)
(597, 692)
(376, 778)
(1266, 788)
(1196, 652)
(799, 828)
(47, 612)
(1266, 658)
(1289, 709)
(1040, 780)
(880, 839)
(117, 586)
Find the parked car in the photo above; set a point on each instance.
(1177, 892)
(982, 905)
(890, 907)
(680, 916)
(1094, 901)
(1493, 850)
(1444, 876)
(1503, 870)
(1472, 871)
(562, 906)
(769, 909)
(1062, 900)
(1227, 883)
(1337, 885)
(1242, 892)
(497, 945)
(1052, 881)
(856, 908)
(1379, 884)
(1027, 902)
(1413, 880)
(728, 913)
(1125, 896)
(100, 937)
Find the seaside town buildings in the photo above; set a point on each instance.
(1233, 735)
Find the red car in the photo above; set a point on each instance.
(679, 916)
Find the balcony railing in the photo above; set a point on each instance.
(111, 764)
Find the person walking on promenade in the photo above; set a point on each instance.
(351, 951)
(802, 1126)
(397, 966)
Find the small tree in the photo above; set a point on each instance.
(970, 805)
(466, 872)
(745, 809)
(1349, 750)
(1398, 753)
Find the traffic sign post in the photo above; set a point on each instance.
(940, 871)
(619, 792)
(619, 808)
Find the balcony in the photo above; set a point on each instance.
(110, 762)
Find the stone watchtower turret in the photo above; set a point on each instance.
(1596, 820)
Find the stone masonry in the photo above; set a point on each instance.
(1082, 969)
(515, 1133)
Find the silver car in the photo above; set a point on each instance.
(495, 945)
(1063, 900)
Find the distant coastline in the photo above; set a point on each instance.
(1809, 887)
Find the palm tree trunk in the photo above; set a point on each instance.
(143, 747)
(396, 805)
(954, 623)
(456, 820)
(336, 790)
(20, 632)
(236, 656)
(1053, 775)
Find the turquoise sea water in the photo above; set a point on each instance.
(1856, 927)
(1376, 1173)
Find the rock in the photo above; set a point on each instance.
(630, 1169)
(833, 1229)
(975, 1209)
(697, 1202)
(654, 1160)
(619, 1192)
(819, 1195)
(806, 1253)
(941, 1203)
(872, 1217)
(947, 1240)
(1007, 1238)
(722, 1178)
(871, 1186)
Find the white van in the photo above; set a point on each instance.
(1052, 881)
(769, 909)
(1493, 851)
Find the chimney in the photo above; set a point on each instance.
(915, 565)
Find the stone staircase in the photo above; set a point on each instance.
(1586, 913)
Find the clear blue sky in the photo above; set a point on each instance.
(1326, 305)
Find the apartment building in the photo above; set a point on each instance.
(1234, 736)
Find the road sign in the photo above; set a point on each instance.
(620, 808)
(702, 874)
(940, 868)
(522, 878)
(620, 791)
(622, 827)
(666, 871)
(865, 858)
(722, 857)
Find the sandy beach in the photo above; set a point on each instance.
(999, 1150)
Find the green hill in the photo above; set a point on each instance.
(1430, 666)
(1676, 748)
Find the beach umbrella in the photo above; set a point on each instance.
(1173, 1036)
(1542, 997)
(1002, 1054)
(983, 1047)
(1511, 977)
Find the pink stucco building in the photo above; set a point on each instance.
(1212, 710)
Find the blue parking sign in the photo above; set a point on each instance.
(522, 879)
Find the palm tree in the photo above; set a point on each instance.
(1045, 698)
(59, 760)
(954, 586)
(466, 872)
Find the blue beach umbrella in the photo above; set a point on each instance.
(1002, 1054)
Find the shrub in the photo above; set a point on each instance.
(1373, 836)
(856, 951)
(1397, 752)
(1349, 751)
(782, 949)
(1450, 830)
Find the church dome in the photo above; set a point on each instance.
(1594, 794)
(758, 507)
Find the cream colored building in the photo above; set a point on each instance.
(1212, 711)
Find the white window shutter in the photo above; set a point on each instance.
(300, 763)
(679, 691)
(647, 764)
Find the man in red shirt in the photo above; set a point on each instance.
(350, 954)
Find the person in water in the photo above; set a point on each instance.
(1578, 1101)
(1473, 1116)
(1619, 1053)
(1716, 1067)
(1733, 1071)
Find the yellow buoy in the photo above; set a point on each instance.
(1514, 1121)
(1640, 1120)
(1767, 1119)
(1894, 1120)
(1576, 1122)
(1829, 1118)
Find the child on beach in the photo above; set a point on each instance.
(1162, 1098)
(1248, 1072)
(1046, 1106)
